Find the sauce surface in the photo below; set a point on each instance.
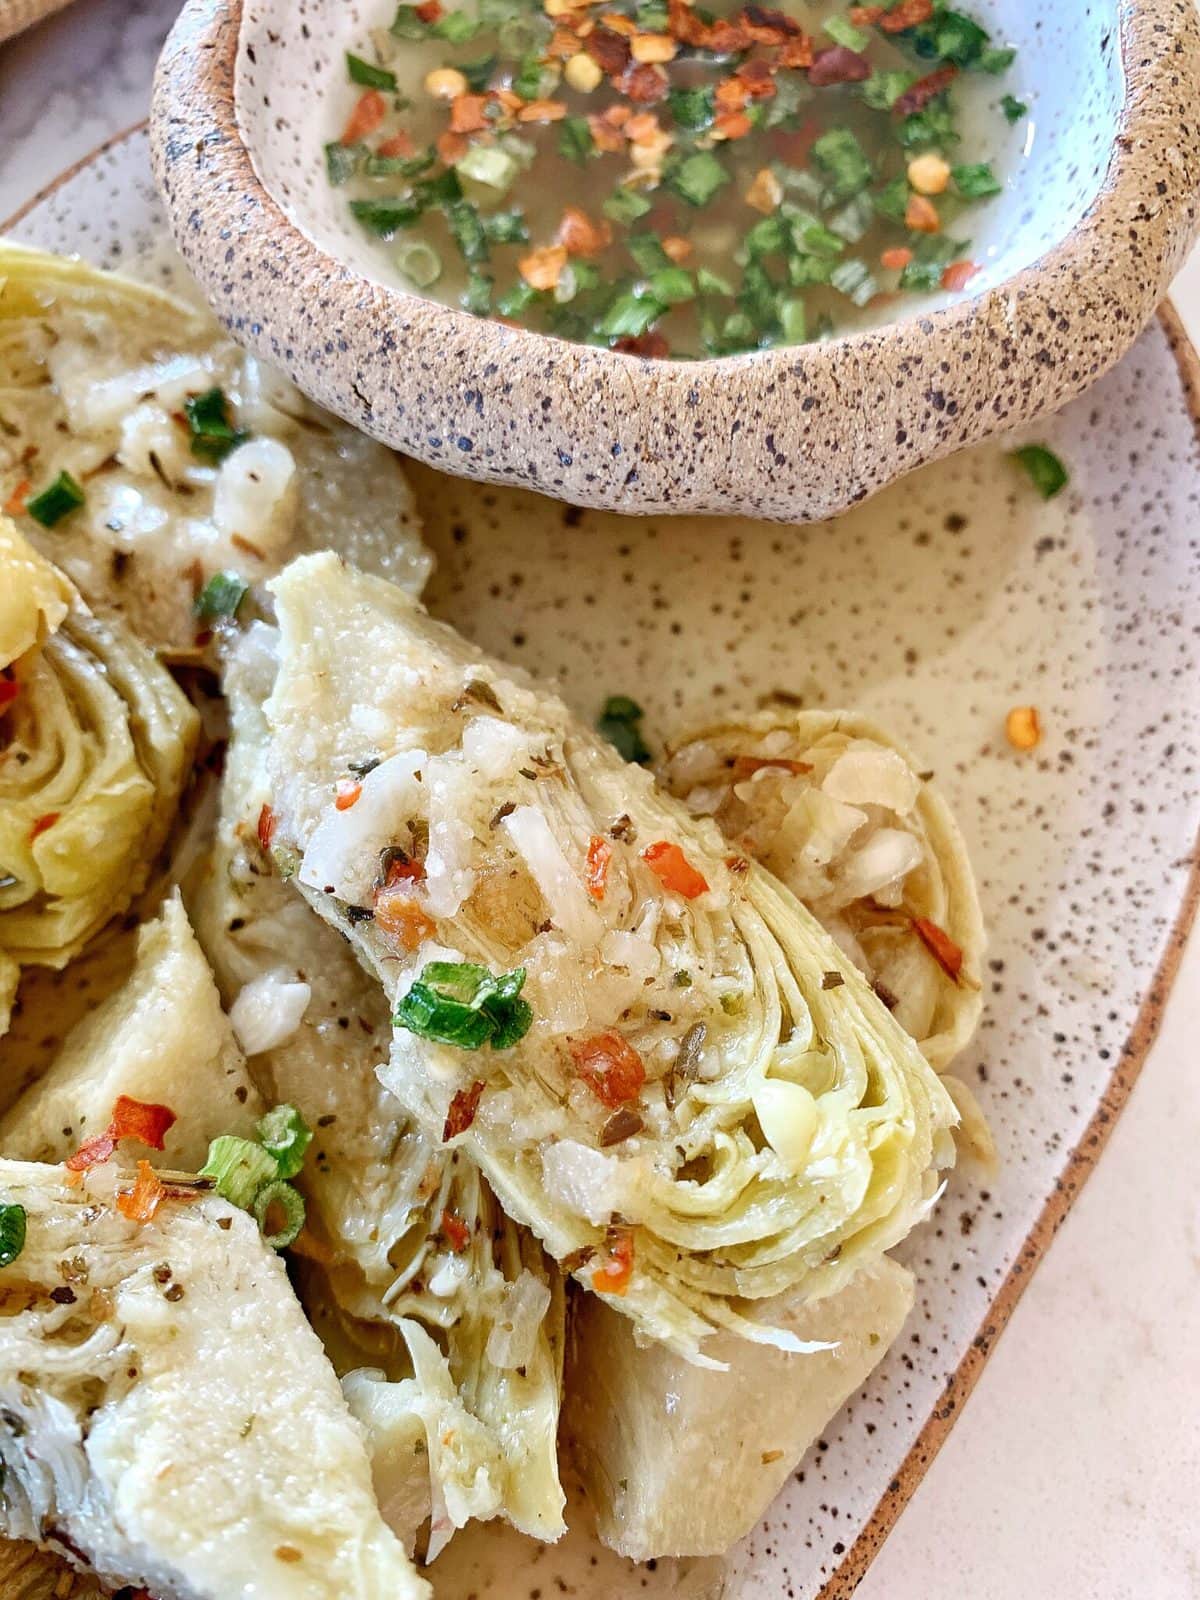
(670, 181)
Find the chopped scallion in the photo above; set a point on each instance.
(213, 434)
(56, 501)
(368, 74)
(221, 596)
(420, 263)
(844, 163)
(620, 724)
(342, 161)
(1045, 470)
(462, 1004)
(976, 182)
(698, 178)
(625, 206)
(1013, 108)
(489, 165)
(279, 1212)
(386, 217)
(842, 31)
(575, 140)
(286, 1136)
(239, 1168)
(12, 1233)
(629, 315)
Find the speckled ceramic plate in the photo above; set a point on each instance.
(948, 599)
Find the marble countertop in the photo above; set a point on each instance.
(1074, 1469)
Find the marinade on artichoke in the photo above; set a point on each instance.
(661, 1062)
(450, 1312)
(96, 742)
(170, 469)
(167, 1415)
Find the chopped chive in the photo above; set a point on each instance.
(712, 283)
(239, 1168)
(629, 315)
(949, 36)
(768, 237)
(517, 300)
(462, 1004)
(386, 217)
(882, 89)
(456, 27)
(213, 434)
(842, 31)
(12, 1233)
(369, 75)
(647, 252)
(996, 59)
(625, 206)
(467, 227)
(843, 161)
(342, 161)
(477, 296)
(854, 220)
(793, 323)
(286, 1136)
(575, 142)
(419, 263)
(280, 1208)
(930, 129)
(892, 200)
(694, 109)
(1013, 108)
(406, 24)
(221, 596)
(399, 166)
(976, 182)
(652, 16)
(478, 73)
(1046, 471)
(507, 227)
(674, 286)
(620, 724)
(698, 178)
(931, 253)
(56, 501)
(810, 236)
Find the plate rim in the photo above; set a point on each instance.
(1084, 1156)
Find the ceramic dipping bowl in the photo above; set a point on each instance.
(1097, 214)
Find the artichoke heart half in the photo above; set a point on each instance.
(166, 1413)
(95, 747)
(661, 1062)
(424, 1271)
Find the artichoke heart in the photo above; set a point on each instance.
(95, 747)
(842, 814)
(167, 1416)
(406, 1239)
(631, 1030)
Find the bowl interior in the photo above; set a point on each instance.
(293, 95)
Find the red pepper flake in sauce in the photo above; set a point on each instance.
(599, 858)
(44, 822)
(923, 91)
(611, 1068)
(652, 345)
(131, 1119)
(615, 1271)
(580, 236)
(673, 869)
(941, 946)
(738, 865)
(366, 117)
(455, 1232)
(463, 1106)
(921, 216)
(14, 506)
(266, 827)
(400, 144)
(144, 1199)
(896, 258)
(958, 274)
(398, 916)
(346, 793)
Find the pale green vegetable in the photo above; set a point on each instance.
(647, 1462)
(177, 1339)
(98, 746)
(378, 1189)
(161, 1038)
(681, 1209)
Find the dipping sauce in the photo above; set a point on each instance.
(668, 180)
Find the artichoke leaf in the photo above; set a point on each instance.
(406, 1237)
(181, 1329)
(772, 1135)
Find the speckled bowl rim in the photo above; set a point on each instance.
(1080, 1164)
(726, 434)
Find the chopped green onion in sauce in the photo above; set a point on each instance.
(620, 723)
(12, 1233)
(279, 1212)
(462, 1004)
(284, 1135)
(56, 501)
(672, 181)
(238, 1169)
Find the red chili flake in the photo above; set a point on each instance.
(92, 1152)
(452, 146)
(730, 94)
(581, 235)
(611, 1068)
(770, 25)
(9, 690)
(463, 1106)
(610, 51)
(797, 53)
(455, 1232)
(923, 91)
(599, 855)
(906, 15)
(958, 274)
(403, 869)
(673, 869)
(266, 827)
(431, 11)
(400, 144)
(346, 794)
(643, 83)
(921, 215)
(615, 1271)
(399, 916)
(652, 345)
(467, 114)
(896, 258)
(758, 79)
(144, 1199)
(737, 865)
(14, 506)
(865, 16)
(838, 65)
(747, 766)
(368, 113)
(135, 1119)
(941, 946)
(44, 822)
(733, 125)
